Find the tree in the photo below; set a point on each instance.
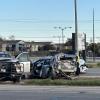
(12, 37)
(68, 42)
(94, 47)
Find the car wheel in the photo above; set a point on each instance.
(43, 73)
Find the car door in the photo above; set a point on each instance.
(24, 62)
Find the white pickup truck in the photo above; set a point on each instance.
(12, 68)
(25, 63)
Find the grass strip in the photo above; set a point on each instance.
(77, 82)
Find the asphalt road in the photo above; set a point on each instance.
(90, 59)
(92, 72)
(17, 92)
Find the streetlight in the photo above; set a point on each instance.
(62, 30)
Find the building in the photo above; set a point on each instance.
(20, 46)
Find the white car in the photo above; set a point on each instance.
(82, 65)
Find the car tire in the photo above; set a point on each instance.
(43, 72)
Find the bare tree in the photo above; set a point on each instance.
(12, 37)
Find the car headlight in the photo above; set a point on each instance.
(18, 67)
(3, 67)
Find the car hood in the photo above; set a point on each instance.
(8, 59)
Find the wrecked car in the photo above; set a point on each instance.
(43, 68)
(68, 63)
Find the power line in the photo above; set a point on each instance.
(45, 21)
(38, 37)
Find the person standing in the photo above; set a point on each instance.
(77, 66)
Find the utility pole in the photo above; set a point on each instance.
(76, 40)
(93, 38)
(76, 29)
(62, 29)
